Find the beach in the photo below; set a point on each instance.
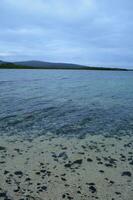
(53, 167)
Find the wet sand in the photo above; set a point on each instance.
(56, 168)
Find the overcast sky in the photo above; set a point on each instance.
(91, 32)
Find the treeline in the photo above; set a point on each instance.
(73, 67)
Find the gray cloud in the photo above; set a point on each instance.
(88, 32)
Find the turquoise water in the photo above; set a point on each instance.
(66, 102)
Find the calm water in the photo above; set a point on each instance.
(66, 102)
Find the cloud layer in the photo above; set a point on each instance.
(90, 32)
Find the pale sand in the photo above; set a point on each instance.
(44, 161)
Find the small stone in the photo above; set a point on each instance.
(131, 163)
(6, 172)
(92, 188)
(2, 148)
(126, 173)
(78, 161)
(18, 173)
(3, 194)
(44, 188)
(63, 196)
(101, 171)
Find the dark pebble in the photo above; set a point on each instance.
(3, 194)
(44, 188)
(6, 172)
(92, 188)
(126, 173)
(19, 173)
(89, 160)
(2, 148)
(131, 163)
(63, 196)
(78, 161)
(101, 171)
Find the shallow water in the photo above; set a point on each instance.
(66, 102)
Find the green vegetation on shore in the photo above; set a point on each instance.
(62, 66)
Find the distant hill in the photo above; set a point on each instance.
(34, 63)
(48, 65)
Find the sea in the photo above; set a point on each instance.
(66, 102)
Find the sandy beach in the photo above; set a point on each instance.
(55, 168)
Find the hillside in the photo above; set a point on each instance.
(48, 65)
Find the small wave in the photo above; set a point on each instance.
(7, 117)
(4, 82)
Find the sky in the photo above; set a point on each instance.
(89, 32)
